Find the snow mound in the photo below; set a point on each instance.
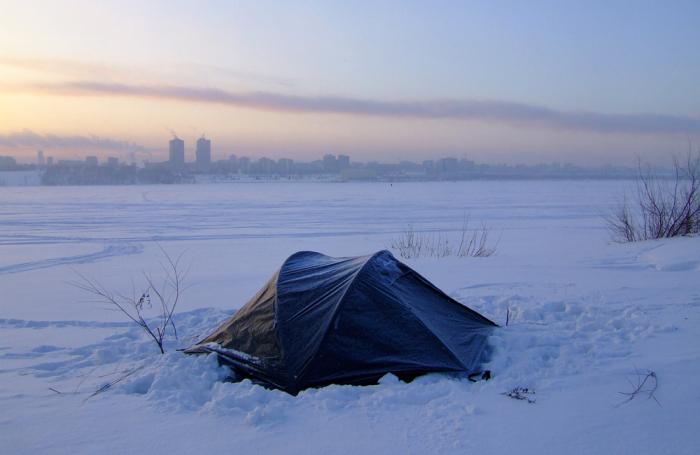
(181, 383)
(559, 335)
(175, 381)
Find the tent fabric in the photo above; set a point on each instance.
(323, 320)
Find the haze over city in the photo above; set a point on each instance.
(566, 82)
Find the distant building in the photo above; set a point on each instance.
(7, 162)
(244, 165)
(265, 166)
(177, 152)
(358, 174)
(203, 153)
(448, 165)
(112, 161)
(91, 160)
(285, 166)
(330, 163)
(409, 166)
(343, 162)
(49, 161)
(466, 164)
(40, 158)
(71, 163)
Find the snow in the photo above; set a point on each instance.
(585, 317)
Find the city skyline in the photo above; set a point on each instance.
(202, 155)
(507, 82)
(200, 162)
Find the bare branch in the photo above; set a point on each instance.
(168, 296)
(646, 384)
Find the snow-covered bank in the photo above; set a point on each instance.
(585, 316)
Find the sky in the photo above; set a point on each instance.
(587, 82)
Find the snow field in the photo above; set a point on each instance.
(585, 316)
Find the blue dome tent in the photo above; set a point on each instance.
(323, 320)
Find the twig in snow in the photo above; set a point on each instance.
(646, 384)
(108, 385)
(521, 393)
(135, 306)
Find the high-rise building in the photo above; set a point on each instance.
(330, 163)
(40, 158)
(112, 161)
(203, 153)
(49, 161)
(244, 165)
(91, 160)
(265, 166)
(285, 166)
(343, 162)
(466, 164)
(448, 165)
(177, 152)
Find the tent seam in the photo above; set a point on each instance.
(335, 313)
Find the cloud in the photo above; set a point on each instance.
(518, 114)
(63, 67)
(238, 75)
(77, 69)
(29, 138)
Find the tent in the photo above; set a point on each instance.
(323, 320)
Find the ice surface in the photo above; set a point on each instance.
(585, 316)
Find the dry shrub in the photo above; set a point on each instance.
(661, 207)
(472, 243)
(135, 305)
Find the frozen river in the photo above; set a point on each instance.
(248, 229)
(54, 215)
